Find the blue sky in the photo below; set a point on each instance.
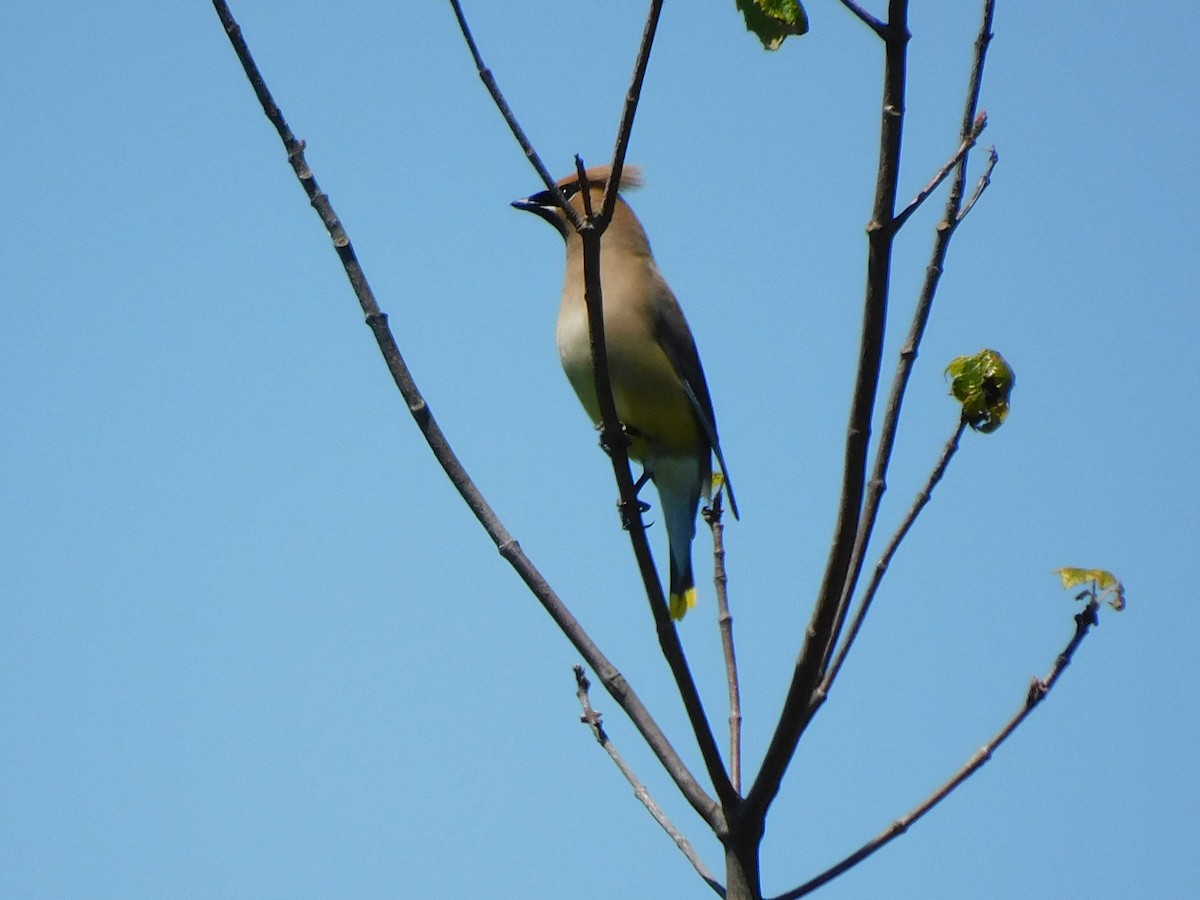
(252, 644)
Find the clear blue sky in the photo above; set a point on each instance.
(252, 644)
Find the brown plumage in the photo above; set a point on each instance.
(658, 383)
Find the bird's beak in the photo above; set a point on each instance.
(543, 205)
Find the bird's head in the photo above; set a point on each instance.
(545, 205)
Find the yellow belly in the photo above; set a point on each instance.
(649, 395)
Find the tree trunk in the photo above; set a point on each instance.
(741, 872)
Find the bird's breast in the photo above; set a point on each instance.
(649, 394)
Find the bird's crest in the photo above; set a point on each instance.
(597, 176)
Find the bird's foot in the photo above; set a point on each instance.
(627, 516)
(625, 435)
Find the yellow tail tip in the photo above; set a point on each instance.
(681, 603)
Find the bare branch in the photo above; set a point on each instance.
(489, 81)
(908, 352)
(984, 180)
(867, 19)
(612, 679)
(632, 97)
(592, 719)
(1038, 689)
(821, 633)
(881, 567)
(967, 143)
(712, 515)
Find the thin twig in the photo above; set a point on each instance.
(869, 20)
(612, 679)
(884, 561)
(712, 515)
(1038, 689)
(592, 719)
(585, 187)
(964, 148)
(489, 81)
(984, 180)
(908, 352)
(632, 97)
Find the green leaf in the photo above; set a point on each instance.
(1104, 585)
(774, 20)
(982, 384)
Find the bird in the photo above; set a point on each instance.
(658, 382)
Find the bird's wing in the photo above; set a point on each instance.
(675, 337)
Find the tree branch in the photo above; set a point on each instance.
(616, 440)
(712, 515)
(489, 81)
(968, 142)
(884, 561)
(908, 352)
(613, 681)
(592, 719)
(632, 96)
(866, 18)
(1038, 689)
(881, 233)
(984, 180)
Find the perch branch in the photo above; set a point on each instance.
(613, 436)
(616, 440)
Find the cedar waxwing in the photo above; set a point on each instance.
(658, 383)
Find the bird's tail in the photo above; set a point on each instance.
(679, 482)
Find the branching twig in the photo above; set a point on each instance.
(612, 679)
(592, 719)
(964, 148)
(884, 561)
(908, 353)
(984, 180)
(866, 18)
(1038, 689)
(725, 623)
